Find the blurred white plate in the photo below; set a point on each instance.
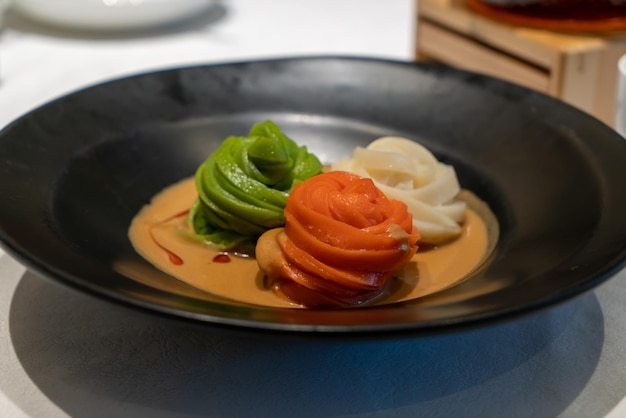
(110, 14)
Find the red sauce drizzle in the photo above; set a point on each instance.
(221, 258)
(174, 259)
(178, 215)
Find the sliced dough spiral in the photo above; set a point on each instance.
(407, 171)
(342, 242)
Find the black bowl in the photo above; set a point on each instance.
(74, 172)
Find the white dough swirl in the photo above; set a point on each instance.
(405, 170)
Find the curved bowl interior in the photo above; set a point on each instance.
(74, 172)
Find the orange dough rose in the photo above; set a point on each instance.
(342, 242)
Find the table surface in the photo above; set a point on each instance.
(63, 353)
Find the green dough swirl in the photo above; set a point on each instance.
(244, 185)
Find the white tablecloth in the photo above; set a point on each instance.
(63, 353)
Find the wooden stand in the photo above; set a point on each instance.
(580, 69)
